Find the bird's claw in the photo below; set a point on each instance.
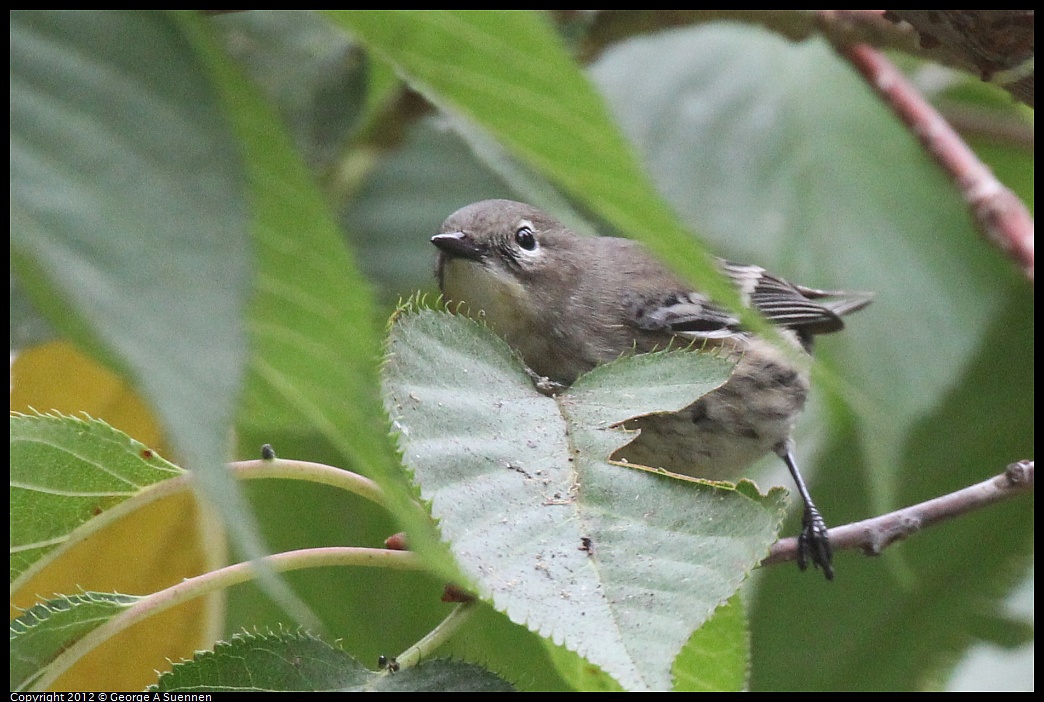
(544, 385)
(814, 543)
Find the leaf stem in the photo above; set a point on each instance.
(311, 472)
(244, 470)
(192, 588)
(437, 636)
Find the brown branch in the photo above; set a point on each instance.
(996, 45)
(998, 213)
(608, 27)
(872, 536)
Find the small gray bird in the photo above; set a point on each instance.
(568, 303)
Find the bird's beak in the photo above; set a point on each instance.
(459, 244)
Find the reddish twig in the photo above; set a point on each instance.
(872, 536)
(999, 214)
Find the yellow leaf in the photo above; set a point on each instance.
(147, 551)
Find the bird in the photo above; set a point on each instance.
(567, 303)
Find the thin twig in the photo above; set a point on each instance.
(872, 536)
(998, 213)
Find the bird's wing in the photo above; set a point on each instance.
(788, 305)
(684, 312)
(807, 310)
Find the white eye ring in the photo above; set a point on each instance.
(524, 237)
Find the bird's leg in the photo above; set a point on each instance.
(814, 541)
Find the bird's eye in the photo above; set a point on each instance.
(525, 238)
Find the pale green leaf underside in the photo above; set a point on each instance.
(65, 472)
(284, 662)
(44, 631)
(620, 565)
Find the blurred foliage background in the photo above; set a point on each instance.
(771, 151)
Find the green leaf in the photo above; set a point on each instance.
(47, 629)
(297, 662)
(130, 224)
(717, 657)
(309, 70)
(128, 218)
(509, 73)
(620, 565)
(315, 336)
(65, 473)
(440, 676)
(581, 674)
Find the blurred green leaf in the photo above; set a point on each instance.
(314, 76)
(509, 73)
(312, 321)
(129, 220)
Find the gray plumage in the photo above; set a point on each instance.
(568, 303)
